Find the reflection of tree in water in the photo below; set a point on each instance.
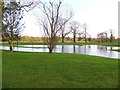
(111, 53)
(74, 51)
(44, 49)
(82, 49)
(89, 46)
(111, 48)
(102, 47)
(106, 47)
(62, 48)
(85, 49)
(79, 47)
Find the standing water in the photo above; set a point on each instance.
(97, 50)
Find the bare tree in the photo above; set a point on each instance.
(74, 25)
(102, 37)
(51, 22)
(111, 35)
(85, 33)
(106, 36)
(89, 38)
(64, 30)
(80, 33)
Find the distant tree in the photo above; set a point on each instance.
(74, 25)
(85, 33)
(68, 39)
(106, 36)
(80, 33)
(51, 22)
(102, 37)
(111, 34)
(89, 38)
(64, 30)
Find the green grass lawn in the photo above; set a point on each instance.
(118, 50)
(92, 43)
(44, 70)
(114, 43)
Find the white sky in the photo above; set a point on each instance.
(100, 15)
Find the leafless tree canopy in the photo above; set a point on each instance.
(111, 34)
(102, 36)
(52, 22)
(65, 30)
(85, 33)
(74, 25)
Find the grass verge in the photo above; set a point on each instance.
(115, 43)
(118, 50)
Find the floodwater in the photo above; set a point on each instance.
(97, 50)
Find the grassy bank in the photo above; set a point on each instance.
(44, 70)
(115, 43)
(118, 50)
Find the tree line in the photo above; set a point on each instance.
(104, 37)
(54, 22)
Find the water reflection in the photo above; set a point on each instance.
(111, 48)
(105, 51)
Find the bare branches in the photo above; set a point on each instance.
(28, 5)
(51, 22)
(74, 25)
(103, 36)
(85, 31)
(46, 12)
(111, 34)
(63, 22)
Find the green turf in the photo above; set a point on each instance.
(114, 43)
(45, 70)
(118, 50)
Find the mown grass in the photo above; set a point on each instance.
(118, 50)
(114, 43)
(44, 70)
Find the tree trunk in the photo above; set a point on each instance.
(106, 38)
(79, 38)
(85, 39)
(17, 43)
(111, 38)
(50, 50)
(10, 48)
(74, 38)
(10, 45)
(62, 39)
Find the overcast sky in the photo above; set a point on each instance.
(100, 16)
